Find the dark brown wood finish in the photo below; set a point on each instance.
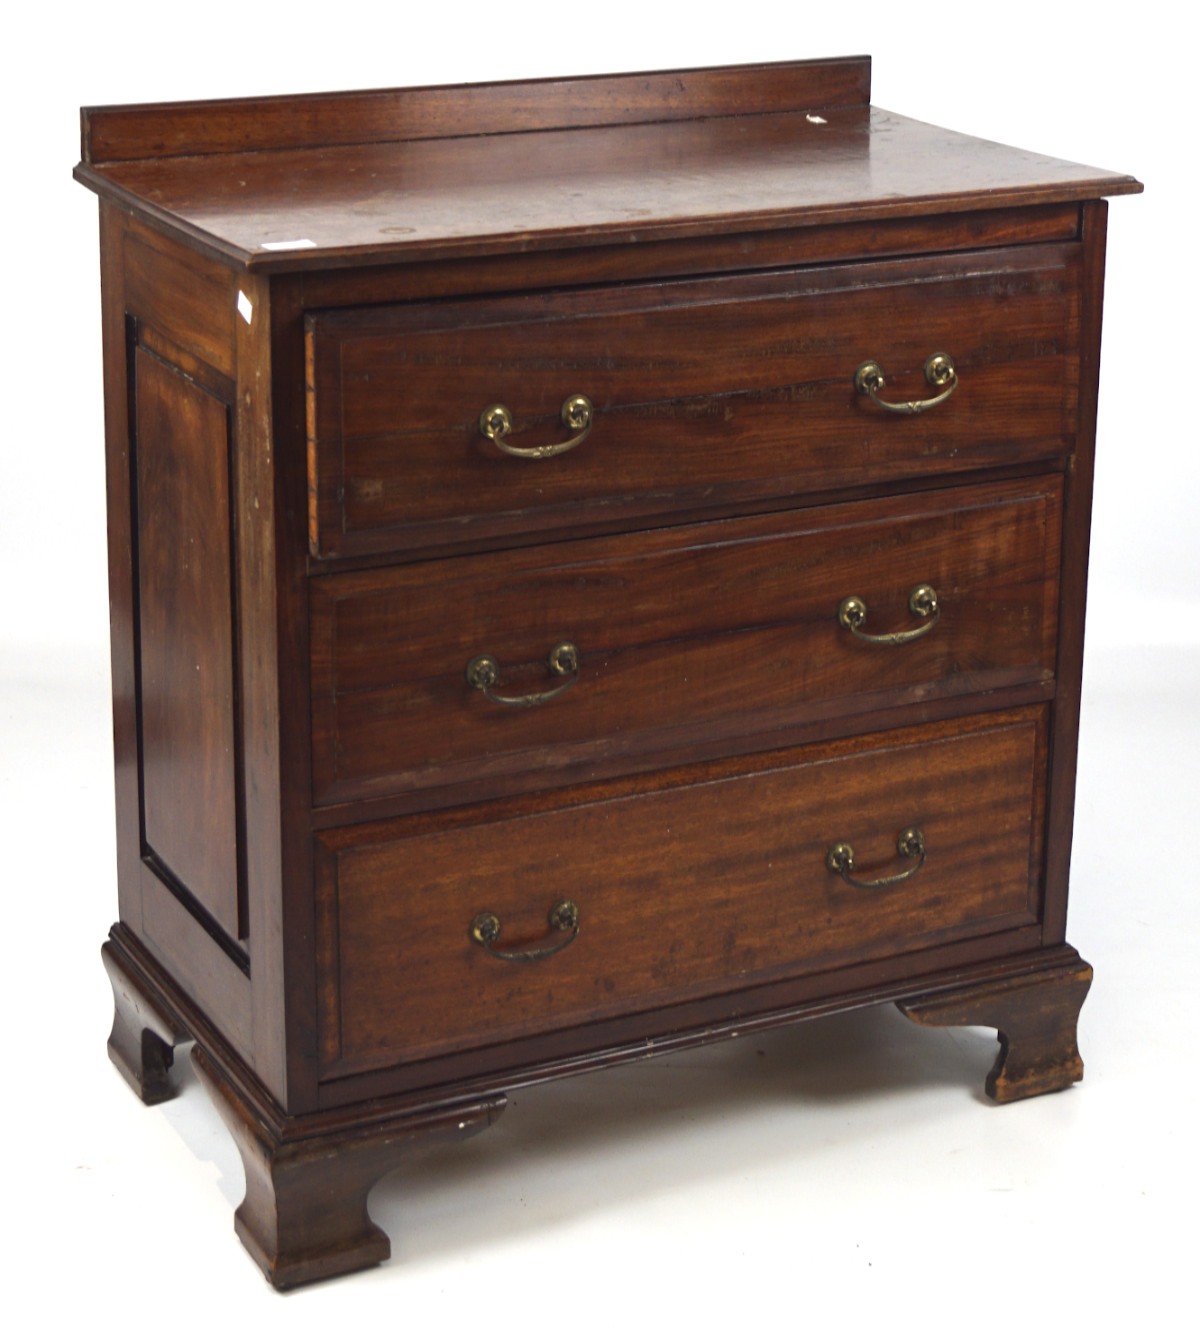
(123, 133)
(183, 297)
(144, 1034)
(289, 913)
(481, 1073)
(732, 743)
(190, 745)
(708, 255)
(522, 1059)
(1076, 540)
(291, 1164)
(265, 724)
(1035, 1016)
(582, 186)
(304, 1216)
(660, 669)
(206, 964)
(121, 603)
(777, 144)
(702, 393)
(712, 883)
(700, 255)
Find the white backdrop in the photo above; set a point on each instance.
(843, 1169)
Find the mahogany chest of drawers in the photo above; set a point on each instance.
(596, 566)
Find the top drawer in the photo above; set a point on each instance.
(702, 393)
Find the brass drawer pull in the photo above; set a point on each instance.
(484, 671)
(939, 373)
(910, 844)
(922, 602)
(485, 930)
(496, 423)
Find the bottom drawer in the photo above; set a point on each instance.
(697, 881)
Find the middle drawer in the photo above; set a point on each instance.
(597, 653)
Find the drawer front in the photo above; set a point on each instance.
(703, 393)
(717, 879)
(683, 636)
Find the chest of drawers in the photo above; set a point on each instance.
(596, 566)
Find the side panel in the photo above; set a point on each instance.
(1077, 526)
(187, 709)
(171, 507)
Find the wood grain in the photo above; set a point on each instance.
(257, 464)
(189, 734)
(785, 247)
(183, 296)
(287, 905)
(1036, 1016)
(707, 885)
(144, 1033)
(555, 189)
(304, 1215)
(1076, 544)
(703, 393)
(122, 572)
(687, 635)
(206, 965)
(260, 124)
(303, 514)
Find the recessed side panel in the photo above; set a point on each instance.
(187, 707)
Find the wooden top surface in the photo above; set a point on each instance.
(425, 173)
